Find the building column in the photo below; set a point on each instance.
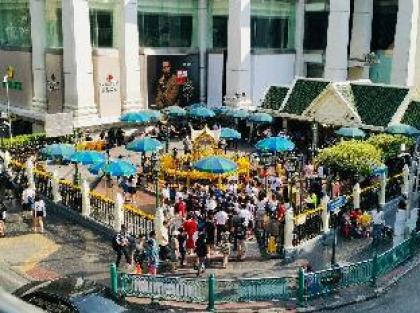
(336, 62)
(129, 56)
(77, 63)
(405, 44)
(299, 36)
(39, 43)
(202, 43)
(238, 66)
(361, 33)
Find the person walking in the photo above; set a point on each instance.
(221, 218)
(240, 236)
(378, 224)
(120, 245)
(182, 239)
(139, 254)
(28, 198)
(225, 248)
(152, 254)
(3, 214)
(202, 251)
(400, 223)
(38, 213)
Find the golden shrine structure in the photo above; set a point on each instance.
(205, 142)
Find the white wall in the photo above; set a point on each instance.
(270, 70)
(215, 80)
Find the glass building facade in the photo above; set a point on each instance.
(102, 16)
(219, 17)
(273, 24)
(164, 23)
(15, 24)
(53, 21)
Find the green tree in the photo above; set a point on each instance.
(390, 145)
(350, 157)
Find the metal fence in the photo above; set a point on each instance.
(307, 225)
(368, 271)
(71, 196)
(43, 184)
(136, 221)
(203, 290)
(304, 286)
(102, 209)
(164, 288)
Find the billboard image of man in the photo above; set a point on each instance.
(167, 87)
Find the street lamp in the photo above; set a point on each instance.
(6, 82)
(156, 172)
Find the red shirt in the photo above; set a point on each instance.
(181, 208)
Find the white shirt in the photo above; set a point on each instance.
(378, 217)
(178, 195)
(245, 214)
(211, 204)
(165, 193)
(26, 194)
(221, 217)
(39, 206)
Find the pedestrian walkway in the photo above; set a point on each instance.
(64, 249)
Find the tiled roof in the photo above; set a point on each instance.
(274, 97)
(412, 115)
(377, 104)
(304, 92)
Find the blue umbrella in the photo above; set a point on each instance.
(175, 110)
(351, 132)
(275, 144)
(201, 112)
(119, 168)
(153, 114)
(145, 145)
(98, 167)
(221, 110)
(215, 165)
(229, 133)
(237, 113)
(87, 157)
(261, 118)
(135, 117)
(58, 150)
(402, 129)
(196, 105)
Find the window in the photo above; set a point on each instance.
(53, 19)
(220, 30)
(269, 32)
(101, 31)
(163, 23)
(273, 24)
(316, 26)
(157, 30)
(15, 24)
(218, 23)
(384, 24)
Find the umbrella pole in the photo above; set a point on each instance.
(220, 181)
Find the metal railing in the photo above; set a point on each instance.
(43, 184)
(304, 286)
(71, 195)
(308, 225)
(136, 221)
(368, 271)
(102, 209)
(203, 290)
